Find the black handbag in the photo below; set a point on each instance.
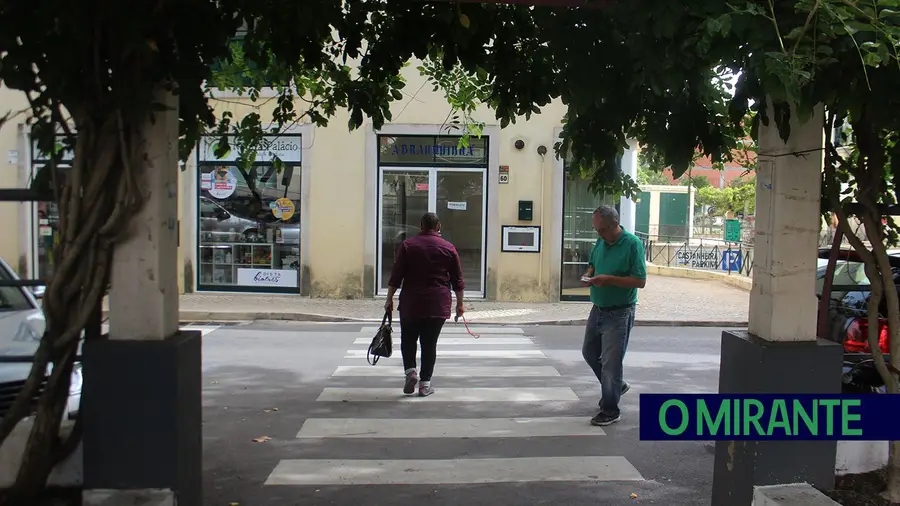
(381, 346)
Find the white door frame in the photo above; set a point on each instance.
(432, 207)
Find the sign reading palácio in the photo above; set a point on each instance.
(287, 148)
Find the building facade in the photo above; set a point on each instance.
(328, 220)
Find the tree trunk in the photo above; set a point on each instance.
(97, 200)
(892, 493)
(868, 171)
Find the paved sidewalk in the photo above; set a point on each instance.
(666, 301)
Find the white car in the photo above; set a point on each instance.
(21, 327)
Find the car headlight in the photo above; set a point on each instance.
(77, 380)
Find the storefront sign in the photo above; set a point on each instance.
(220, 183)
(456, 206)
(440, 150)
(430, 150)
(284, 209)
(287, 148)
(267, 277)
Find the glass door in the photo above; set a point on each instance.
(458, 198)
(460, 204)
(405, 196)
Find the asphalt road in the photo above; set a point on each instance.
(484, 438)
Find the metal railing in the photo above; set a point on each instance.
(698, 253)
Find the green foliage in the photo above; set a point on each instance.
(648, 176)
(735, 199)
(695, 181)
(464, 92)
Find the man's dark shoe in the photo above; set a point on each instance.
(625, 388)
(602, 420)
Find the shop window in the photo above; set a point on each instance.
(46, 231)
(579, 236)
(249, 238)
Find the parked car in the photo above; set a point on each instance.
(848, 321)
(21, 327)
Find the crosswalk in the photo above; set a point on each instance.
(482, 388)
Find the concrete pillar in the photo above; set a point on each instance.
(627, 207)
(780, 353)
(145, 267)
(142, 386)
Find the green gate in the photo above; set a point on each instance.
(673, 216)
(642, 214)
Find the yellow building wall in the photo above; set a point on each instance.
(338, 214)
(13, 214)
(527, 276)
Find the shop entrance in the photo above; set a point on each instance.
(456, 193)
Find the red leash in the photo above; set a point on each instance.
(456, 320)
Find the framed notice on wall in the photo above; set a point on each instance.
(517, 239)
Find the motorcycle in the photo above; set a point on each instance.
(861, 377)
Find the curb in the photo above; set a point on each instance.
(202, 316)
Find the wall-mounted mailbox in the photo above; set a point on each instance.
(526, 210)
(521, 239)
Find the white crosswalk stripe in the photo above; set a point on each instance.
(453, 471)
(354, 428)
(450, 371)
(472, 376)
(451, 328)
(466, 341)
(461, 354)
(506, 394)
(204, 329)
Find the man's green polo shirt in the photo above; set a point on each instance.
(624, 258)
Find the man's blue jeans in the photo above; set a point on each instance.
(605, 342)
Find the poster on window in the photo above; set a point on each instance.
(267, 277)
(284, 209)
(224, 182)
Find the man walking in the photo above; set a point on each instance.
(615, 272)
(428, 267)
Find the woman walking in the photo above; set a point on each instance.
(428, 268)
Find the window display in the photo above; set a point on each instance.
(249, 227)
